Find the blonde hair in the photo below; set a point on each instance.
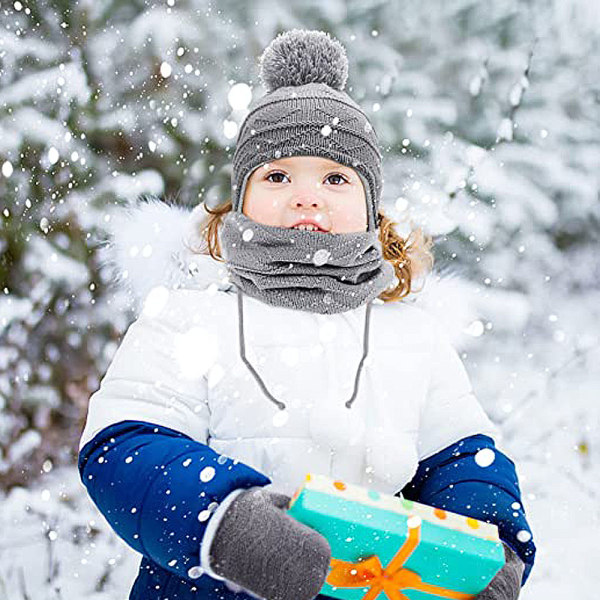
(411, 257)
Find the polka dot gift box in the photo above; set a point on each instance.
(385, 547)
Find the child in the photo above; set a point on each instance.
(218, 401)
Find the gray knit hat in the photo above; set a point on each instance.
(305, 112)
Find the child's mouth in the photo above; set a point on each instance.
(308, 227)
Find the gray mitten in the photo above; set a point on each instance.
(506, 584)
(272, 555)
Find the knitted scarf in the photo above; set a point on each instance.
(306, 270)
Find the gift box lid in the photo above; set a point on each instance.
(408, 508)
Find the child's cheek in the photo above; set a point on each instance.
(349, 220)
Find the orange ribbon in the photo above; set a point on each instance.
(392, 579)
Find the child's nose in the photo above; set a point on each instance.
(307, 200)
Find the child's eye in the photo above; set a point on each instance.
(279, 173)
(338, 175)
(273, 174)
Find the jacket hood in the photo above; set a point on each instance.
(151, 243)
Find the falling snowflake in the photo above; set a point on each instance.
(53, 155)
(203, 515)
(207, 474)
(523, 535)
(401, 204)
(475, 329)
(195, 572)
(321, 256)
(7, 168)
(485, 457)
(165, 69)
(239, 96)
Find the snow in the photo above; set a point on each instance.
(485, 457)
(203, 515)
(321, 256)
(56, 543)
(36, 85)
(239, 96)
(195, 572)
(165, 69)
(7, 169)
(207, 474)
(491, 144)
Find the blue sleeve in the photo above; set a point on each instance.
(452, 479)
(151, 483)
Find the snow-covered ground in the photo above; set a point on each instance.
(56, 545)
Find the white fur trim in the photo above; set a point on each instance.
(152, 243)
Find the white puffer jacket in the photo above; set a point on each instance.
(179, 366)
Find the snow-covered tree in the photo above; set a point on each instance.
(487, 113)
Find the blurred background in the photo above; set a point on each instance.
(488, 115)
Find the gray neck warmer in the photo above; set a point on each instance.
(306, 270)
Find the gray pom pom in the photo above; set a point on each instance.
(298, 57)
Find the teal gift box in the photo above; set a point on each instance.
(385, 547)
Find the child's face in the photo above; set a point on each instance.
(284, 191)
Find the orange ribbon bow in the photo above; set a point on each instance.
(390, 580)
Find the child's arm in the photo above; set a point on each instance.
(453, 480)
(451, 410)
(453, 429)
(144, 447)
(154, 486)
(158, 373)
(145, 461)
